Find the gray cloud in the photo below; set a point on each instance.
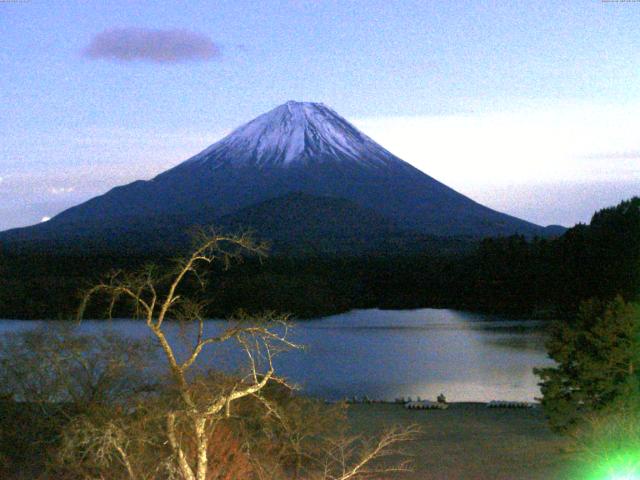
(160, 46)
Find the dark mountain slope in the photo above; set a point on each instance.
(303, 224)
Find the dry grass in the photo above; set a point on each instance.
(470, 441)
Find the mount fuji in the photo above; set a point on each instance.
(298, 168)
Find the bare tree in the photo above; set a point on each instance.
(54, 365)
(155, 305)
(191, 417)
(51, 377)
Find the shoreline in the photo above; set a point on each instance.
(497, 403)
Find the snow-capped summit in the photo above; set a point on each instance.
(295, 132)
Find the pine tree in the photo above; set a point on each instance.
(598, 362)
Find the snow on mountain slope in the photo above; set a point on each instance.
(295, 132)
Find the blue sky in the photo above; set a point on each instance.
(528, 107)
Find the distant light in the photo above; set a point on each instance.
(619, 466)
(45, 219)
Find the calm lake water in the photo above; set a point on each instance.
(386, 354)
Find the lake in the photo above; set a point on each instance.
(386, 354)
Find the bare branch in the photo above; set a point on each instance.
(350, 458)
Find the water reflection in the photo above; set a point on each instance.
(389, 354)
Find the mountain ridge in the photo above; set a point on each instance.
(295, 147)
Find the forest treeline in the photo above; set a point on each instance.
(511, 276)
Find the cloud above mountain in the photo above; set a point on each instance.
(541, 143)
(152, 45)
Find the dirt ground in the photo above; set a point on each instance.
(470, 441)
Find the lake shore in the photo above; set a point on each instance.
(470, 441)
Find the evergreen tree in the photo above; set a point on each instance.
(597, 355)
